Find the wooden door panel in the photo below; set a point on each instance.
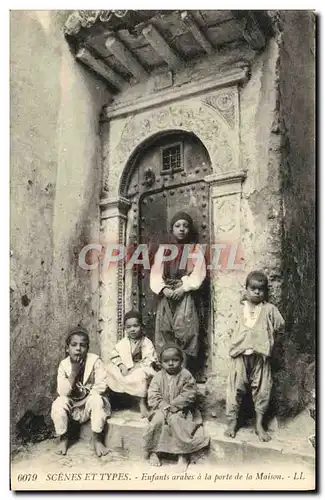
(159, 194)
(153, 214)
(156, 211)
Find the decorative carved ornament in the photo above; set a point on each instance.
(87, 18)
(213, 125)
(224, 103)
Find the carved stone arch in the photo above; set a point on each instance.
(212, 118)
(215, 127)
(132, 162)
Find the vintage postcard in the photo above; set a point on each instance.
(162, 235)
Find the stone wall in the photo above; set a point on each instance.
(55, 186)
(297, 124)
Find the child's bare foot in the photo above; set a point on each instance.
(182, 460)
(231, 430)
(198, 458)
(143, 408)
(99, 448)
(63, 445)
(154, 460)
(262, 434)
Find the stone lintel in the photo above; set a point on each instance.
(227, 78)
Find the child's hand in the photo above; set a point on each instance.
(168, 292)
(156, 366)
(173, 409)
(178, 293)
(76, 366)
(123, 369)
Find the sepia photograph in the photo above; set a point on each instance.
(163, 323)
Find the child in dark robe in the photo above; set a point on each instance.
(250, 352)
(175, 423)
(176, 283)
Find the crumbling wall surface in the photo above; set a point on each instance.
(261, 223)
(55, 186)
(297, 122)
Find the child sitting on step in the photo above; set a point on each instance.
(175, 423)
(132, 362)
(250, 352)
(81, 386)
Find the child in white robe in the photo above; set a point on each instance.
(81, 386)
(131, 362)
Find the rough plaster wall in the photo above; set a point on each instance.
(55, 186)
(261, 203)
(297, 118)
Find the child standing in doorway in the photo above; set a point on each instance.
(176, 284)
(81, 386)
(250, 352)
(132, 362)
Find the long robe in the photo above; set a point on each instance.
(178, 320)
(138, 356)
(176, 433)
(250, 351)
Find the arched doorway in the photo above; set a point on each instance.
(165, 175)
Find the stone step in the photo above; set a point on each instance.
(125, 433)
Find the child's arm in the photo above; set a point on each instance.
(117, 360)
(155, 398)
(100, 384)
(278, 325)
(64, 387)
(66, 383)
(149, 354)
(187, 396)
(157, 284)
(194, 280)
(278, 321)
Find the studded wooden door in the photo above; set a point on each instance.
(170, 177)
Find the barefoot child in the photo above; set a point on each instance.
(175, 423)
(132, 360)
(80, 385)
(250, 351)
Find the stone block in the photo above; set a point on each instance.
(124, 433)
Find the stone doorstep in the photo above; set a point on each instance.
(125, 430)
